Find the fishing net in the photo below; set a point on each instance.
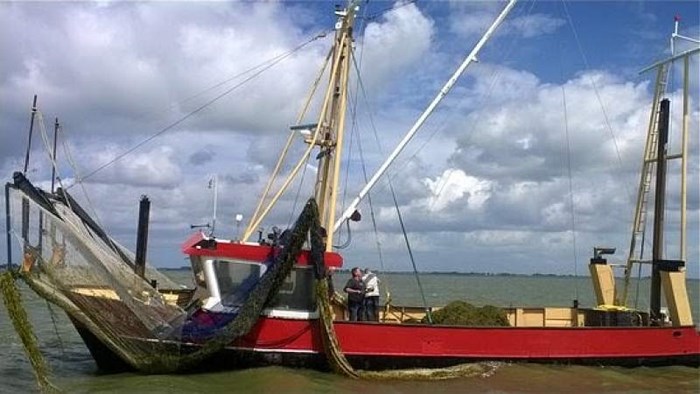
(70, 261)
(334, 352)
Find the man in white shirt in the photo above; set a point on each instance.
(371, 296)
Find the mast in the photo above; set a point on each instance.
(332, 122)
(424, 116)
(326, 134)
(53, 155)
(31, 131)
(651, 157)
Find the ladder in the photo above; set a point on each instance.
(648, 165)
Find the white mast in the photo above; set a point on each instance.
(443, 92)
(684, 141)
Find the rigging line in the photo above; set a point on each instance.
(567, 137)
(410, 254)
(353, 110)
(599, 99)
(259, 65)
(353, 99)
(188, 115)
(438, 128)
(52, 314)
(285, 150)
(347, 169)
(354, 129)
(49, 147)
(571, 186)
(298, 193)
(347, 241)
(388, 9)
(371, 208)
(361, 85)
(373, 126)
(94, 215)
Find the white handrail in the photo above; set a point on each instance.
(443, 92)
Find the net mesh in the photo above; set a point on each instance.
(69, 262)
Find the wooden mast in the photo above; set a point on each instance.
(332, 123)
(326, 134)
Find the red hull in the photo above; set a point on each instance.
(602, 344)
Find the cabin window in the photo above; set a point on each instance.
(297, 291)
(236, 280)
(198, 271)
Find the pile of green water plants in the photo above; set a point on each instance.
(460, 313)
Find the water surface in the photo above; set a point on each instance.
(75, 372)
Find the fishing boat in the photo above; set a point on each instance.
(267, 298)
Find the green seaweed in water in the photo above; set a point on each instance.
(20, 320)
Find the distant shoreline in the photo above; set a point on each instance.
(4, 267)
(187, 268)
(445, 273)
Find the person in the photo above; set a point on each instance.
(356, 295)
(331, 288)
(371, 304)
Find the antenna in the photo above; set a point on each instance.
(675, 35)
(239, 218)
(214, 184)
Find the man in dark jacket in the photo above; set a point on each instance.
(356, 294)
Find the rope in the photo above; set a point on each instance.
(395, 7)
(340, 365)
(333, 351)
(52, 314)
(282, 157)
(361, 85)
(271, 60)
(196, 110)
(410, 253)
(569, 173)
(598, 98)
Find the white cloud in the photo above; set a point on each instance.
(471, 19)
(536, 24)
(493, 183)
(398, 40)
(452, 186)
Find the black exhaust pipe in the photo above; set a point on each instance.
(659, 205)
(142, 237)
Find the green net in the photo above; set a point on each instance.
(70, 263)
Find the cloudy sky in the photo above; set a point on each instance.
(531, 161)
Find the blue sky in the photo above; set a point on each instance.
(484, 187)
